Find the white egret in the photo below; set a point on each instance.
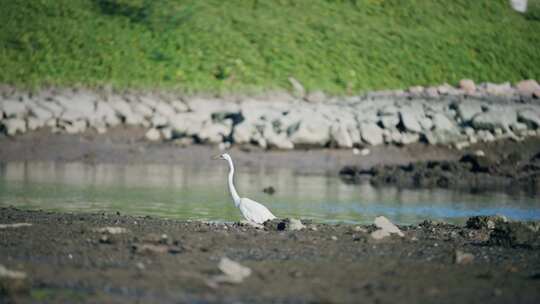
(251, 210)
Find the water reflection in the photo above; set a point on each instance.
(200, 192)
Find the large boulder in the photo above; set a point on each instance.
(468, 109)
(312, 130)
(165, 109)
(371, 133)
(214, 132)
(442, 122)
(243, 132)
(340, 135)
(277, 140)
(499, 118)
(13, 108)
(106, 114)
(14, 126)
(189, 123)
(530, 117)
(410, 120)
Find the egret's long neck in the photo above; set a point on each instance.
(232, 189)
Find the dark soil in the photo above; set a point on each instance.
(164, 261)
(505, 166)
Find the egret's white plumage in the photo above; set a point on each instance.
(250, 209)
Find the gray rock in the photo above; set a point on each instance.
(14, 126)
(432, 92)
(179, 106)
(243, 132)
(495, 118)
(371, 133)
(341, 136)
(468, 109)
(13, 108)
(442, 122)
(75, 126)
(278, 141)
(40, 113)
(530, 117)
(158, 121)
(426, 123)
(188, 123)
(409, 119)
(214, 132)
(52, 107)
(409, 138)
(153, 135)
(416, 90)
(295, 224)
(444, 137)
(165, 109)
(35, 123)
(107, 114)
(312, 130)
(143, 109)
(389, 121)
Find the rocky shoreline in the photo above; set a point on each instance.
(442, 115)
(114, 258)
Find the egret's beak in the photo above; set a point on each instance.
(216, 157)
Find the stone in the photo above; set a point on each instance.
(167, 133)
(214, 132)
(503, 89)
(386, 228)
(409, 138)
(365, 152)
(495, 118)
(312, 130)
(432, 92)
(463, 258)
(442, 122)
(243, 132)
(316, 97)
(149, 102)
(298, 88)
(52, 107)
(485, 136)
(14, 126)
(389, 121)
(426, 123)
(189, 123)
(106, 113)
(40, 113)
(530, 118)
(179, 106)
(13, 108)
(371, 133)
(409, 119)
(445, 89)
(295, 224)
(527, 87)
(278, 141)
(35, 123)
(444, 137)
(467, 110)
(158, 121)
(467, 85)
(153, 135)
(143, 110)
(165, 109)
(233, 272)
(341, 136)
(75, 126)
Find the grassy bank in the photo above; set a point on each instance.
(214, 45)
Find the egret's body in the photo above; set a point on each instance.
(251, 210)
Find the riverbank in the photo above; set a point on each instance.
(75, 258)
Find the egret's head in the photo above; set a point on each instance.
(224, 156)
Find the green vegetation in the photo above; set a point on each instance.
(339, 46)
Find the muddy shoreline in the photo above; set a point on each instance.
(66, 259)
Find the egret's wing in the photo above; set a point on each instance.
(254, 211)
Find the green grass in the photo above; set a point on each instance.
(244, 45)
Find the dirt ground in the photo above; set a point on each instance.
(67, 260)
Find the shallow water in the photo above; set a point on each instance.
(200, 193)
